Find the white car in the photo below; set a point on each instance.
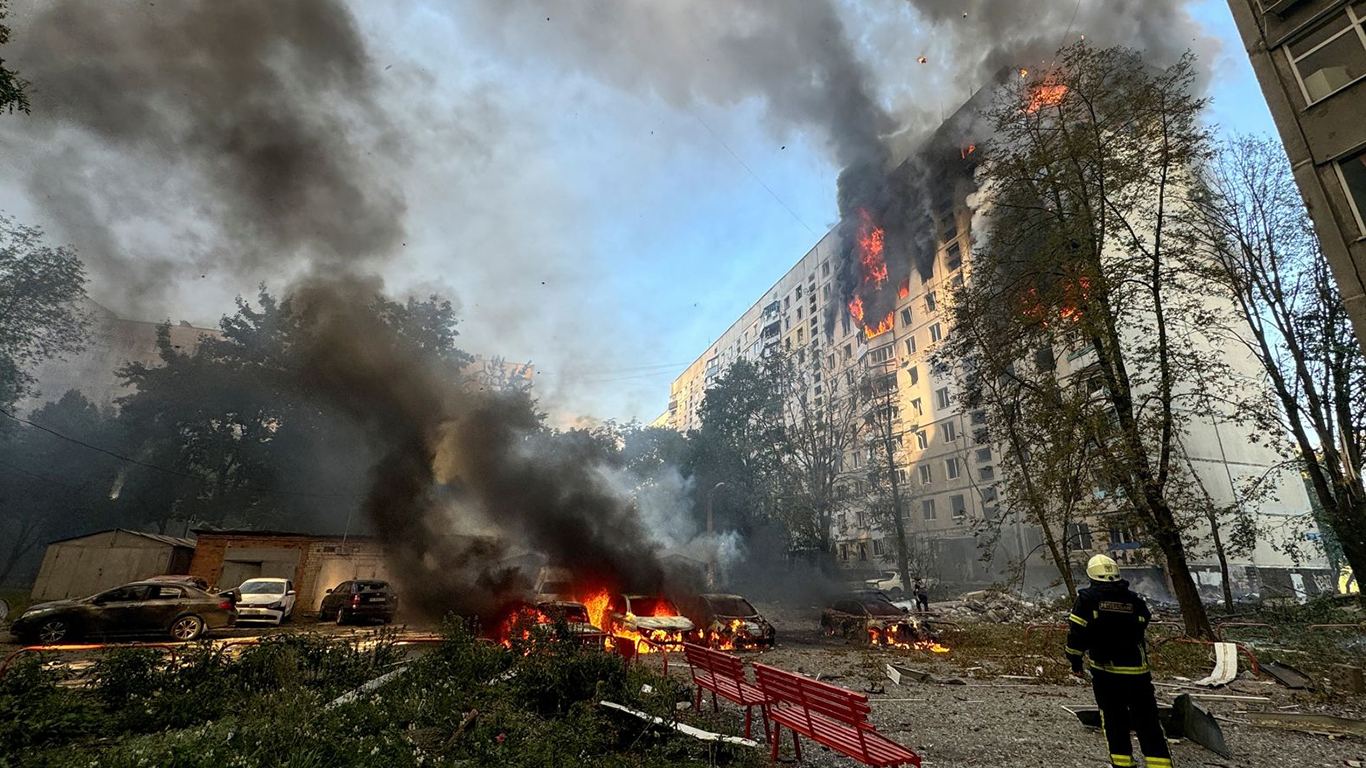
(268, 600)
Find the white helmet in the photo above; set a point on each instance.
(1102, 568)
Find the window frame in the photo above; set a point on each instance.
(1357, 214)
(1354, 24)
(952, 468)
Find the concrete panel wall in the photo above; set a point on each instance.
(84, 566)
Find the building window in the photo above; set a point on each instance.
(936, 333)
(989, 493)
(799, 293)
(844, 551)
(844, 323)
(953, 257)
(862, 551)
(987, 474)
(951, 468)
(914, 373)
(979, 417)
(910, 345)
(801, 335)
(921, 441)
(906, 316)
(825, 269)
(799, 313)
(877, 547)
(930, 302)
(941, 397)
(926, 474)
(950, 432)
(881, 354)
(1331, 57)
(825, 292)
(958, 506)
(927, 509)
(915, 406)
(848, 351)
(1353, 173)
(984, 454)
(1080, 535)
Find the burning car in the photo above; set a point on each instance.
(869, 614)
(575, 615)
(729, 621)
(646, 617)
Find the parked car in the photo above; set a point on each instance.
(359, 599)
(575, 615)
(889, 582)
(141, 608)
(654, 618)
(554, 584)
(182, 579)
(854, 613)
(269, 600)
(729, 621)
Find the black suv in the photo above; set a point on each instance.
(359, 599)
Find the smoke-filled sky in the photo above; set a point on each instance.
(601, 188)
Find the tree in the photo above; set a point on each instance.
(883, 438)
(1092, 249)
(51, 487)
(1290, 316)
(740, 443)
(41, 290)
(238, 437)
(820, 420)
(12, 87)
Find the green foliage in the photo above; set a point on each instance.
(12, 95)
(464, 702)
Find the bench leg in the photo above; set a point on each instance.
(714, 706)
(748, 711)
(697, 699)
(797, 745)
(777, 731)
(763, 715)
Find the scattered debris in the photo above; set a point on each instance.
(923, 60)
(1326, 725)
(1225, 666)
(1288, 676)
(464, 723)
(696, 733)
(896, 673)
(352, 695)
(1183, 719)
(1347, 677)
(503, 678)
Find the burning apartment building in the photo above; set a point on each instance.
(870, 296)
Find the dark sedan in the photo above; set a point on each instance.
(729, 621)
(142, 608)
(359, 599)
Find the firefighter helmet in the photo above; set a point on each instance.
(1102, 568)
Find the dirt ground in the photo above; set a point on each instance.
(992, 720)
(1009, 722)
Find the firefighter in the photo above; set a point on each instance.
(1108, 622)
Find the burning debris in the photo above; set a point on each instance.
(868, 614)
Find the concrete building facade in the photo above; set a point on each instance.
(950, 473)
(1310, 58)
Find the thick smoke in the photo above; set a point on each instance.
(464, 473)
(246, 114)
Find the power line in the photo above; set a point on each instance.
(168, 470)
(742, 163)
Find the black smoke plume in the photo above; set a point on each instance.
(246, 114)
(466, 475)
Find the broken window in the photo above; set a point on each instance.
(906, 316)
(916, 406)
(910, 345)
(1331, 57)
(953, 257)
(921, 441)
(914, 373)
(936, 333)
(930, 303)
(986, 474)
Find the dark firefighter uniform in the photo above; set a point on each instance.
(1108, 622)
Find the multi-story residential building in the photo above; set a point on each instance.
(950, 471)
(1310, 58)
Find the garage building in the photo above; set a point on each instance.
(316, 563)
(84, 565)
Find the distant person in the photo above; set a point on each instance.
(1108, 622)
(922, 597)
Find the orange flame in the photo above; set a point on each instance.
(856, 309)
(869, 243)
(886, 325)
(891, 638)
(1046, 95)
(966, 150)
(600, 616)
(903, 290)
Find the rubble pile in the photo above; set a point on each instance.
(995, 606)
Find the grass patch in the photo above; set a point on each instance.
(267, 707)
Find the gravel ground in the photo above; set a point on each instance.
(994, 722)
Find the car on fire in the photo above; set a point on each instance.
(652, 617)
(359, 599)
(853, 614)
(575, 616)
(729, 621)
(269, 600)
(140, 608)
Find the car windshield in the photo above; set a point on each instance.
(651, 606)
(731, 606)
(570, 613)
(263, 588)
(372, 586)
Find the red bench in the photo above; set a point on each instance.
(723, 675)
(828, 715)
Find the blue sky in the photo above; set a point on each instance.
(603, 227)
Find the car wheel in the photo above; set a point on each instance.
(896, 593)
(341, 617)
(53, 631)
(187, 628)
